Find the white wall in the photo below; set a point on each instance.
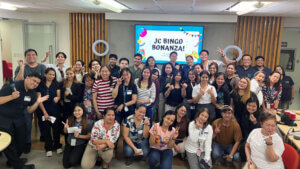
(62, 26)
(292, 37)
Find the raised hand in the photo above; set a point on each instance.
(184, 85)
(252, 118)
(176, 133)
(210, 91)
(171, 87)
(154, 131)
(42, 99)
(217, 129)
(66, 125)
(76, 134)
(55, 99)
(269, 139)
(147, 121)
(15, 94)
(21, 63)
(119, 81)
(202, 91)
(220, 51)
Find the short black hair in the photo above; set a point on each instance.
(65, 56)
(93, 60)
(88, 75)
(259, 57)
(204, 50)
(113, 56)
(139, 55)
(35, 74)
(30, 50)
(246, 55)
(189, 56)
(124, 59)
(108, 109)
(173, 53)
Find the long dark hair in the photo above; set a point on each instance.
(141, 78)
(164, 74)
(175, 74)
(224, 86)
(84, 121)
(110, 77)
(200, 112)
(54, 81)
(193, 71)
(169, 112)
(131, 81)
(147, 64)
(176, 112)
(283, 71)
(276, 85)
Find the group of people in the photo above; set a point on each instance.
(192, 111)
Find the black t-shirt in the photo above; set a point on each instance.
(223, 96)
(131, 89)
(13, 111)
(174, 97)
(189, 90)
(287, 83)
(50, 105)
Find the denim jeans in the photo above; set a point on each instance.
(28, 118)
(149, 113)
(219, 151)
(144, 145)
(120, 116)
(164, 157)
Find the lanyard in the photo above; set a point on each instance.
(271, 91)
(124, 93)
(192, 85)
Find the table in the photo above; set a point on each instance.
(284, 129)
(5, 140)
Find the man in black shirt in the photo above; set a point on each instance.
(14, 99)
(114, 68)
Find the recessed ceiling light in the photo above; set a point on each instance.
(8, 6)
(111, 5)
(244, 7)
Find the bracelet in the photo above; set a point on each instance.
(269, 144)
(173, 138)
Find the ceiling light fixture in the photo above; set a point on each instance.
(243, 7)
(111, 5)
(8, 6)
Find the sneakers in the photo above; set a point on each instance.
(29, 166)
(128, 162)
(59, 151)
(49, 153)
(24, 160)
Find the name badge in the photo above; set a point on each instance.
(268, 106)
(192, 107)
(27, 98)
(140, 132)
(126, 109)
(129, 92)
(73, 142)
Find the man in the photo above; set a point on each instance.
(259, 66)
(245, 70)
(114, 68)
(123, 62)
(60, 67)
(187, 67)
(173, 59)
(226, 138)
(14, 99)
(21, 72)
(137, 66)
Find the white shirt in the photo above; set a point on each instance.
(199, 139)
(206, 97)
(258, 150)
(254, 87)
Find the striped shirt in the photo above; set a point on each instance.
(104, 93)
(144, 94)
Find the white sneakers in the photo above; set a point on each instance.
(49, 153)
(59, 151)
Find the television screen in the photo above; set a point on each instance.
(159, 41)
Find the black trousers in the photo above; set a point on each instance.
(72, 155)
(15, 149)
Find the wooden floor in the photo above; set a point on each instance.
(38, 145)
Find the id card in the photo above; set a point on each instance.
(268, 106)
(199, 152)
(27, 98)
(73, 142)
(129, 92)
(126, 109)
(192, 107)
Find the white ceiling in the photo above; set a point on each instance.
(289, 8)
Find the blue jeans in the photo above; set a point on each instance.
(149, 113)
(144, 145)
(219, 151)
(28, 118)
(165, 157)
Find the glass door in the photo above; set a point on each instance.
(42, 38)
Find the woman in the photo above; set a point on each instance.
(188, 101)
(88, 81)
(232, 79)
(95, 66)
(205, 95)
(79, 70)
(155, 80)
(198, 69)
(104, 135)
(198, 143)
(223, 94)
(76, 143)
(165, 78)
(239, 97)
(146, 91)
(49, 110)
(256, 85)
(162, 140)
(213, 70)
(181, 122)
(272, 93)
(71, 93)
(150, 62)
(125, 95)
(136, 133)
(102, 91)
(264, 146)
(174, 92)
(288, 90)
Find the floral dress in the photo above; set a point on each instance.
(271, 95)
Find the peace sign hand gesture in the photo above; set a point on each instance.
(176, 133)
